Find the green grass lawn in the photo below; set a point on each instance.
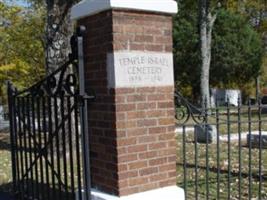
(242, 123)
(234, 127)
(5, 162)
(223, 167)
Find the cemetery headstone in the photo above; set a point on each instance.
(256, 140)
(205, 133)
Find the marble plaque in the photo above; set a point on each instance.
(140, 69)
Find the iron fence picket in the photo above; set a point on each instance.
(184, 160)
(39, 100)
(12, 135)
(218, 150)
(22, 180)
(260, 150)
(57, 146)
(229, 151)
(45, 151)
(196, 166)
(35, 171)
(239, 150)
(77, 142)
(207, 147)
(70, 128)
(237, 169)
(25, 175)
(250, 148)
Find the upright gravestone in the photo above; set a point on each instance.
(129, 65)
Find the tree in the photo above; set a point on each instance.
(58, 32)
(59, 29)
(206, 23)
(237, 51)
(255, 11)
(21, 48)
(186, 49)
(226, 56)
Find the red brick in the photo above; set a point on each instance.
(156, 113)
(158, 177)
(138, 165)
(148, 155)
(169, 182)
(169, 104)
(128, 174)
(157, 130)
(125, 90)
(146, 122)
(166, 121)
(120, 99)
(127, 158)
(153, 31)
(154, 47)
(157, 146)
(167, 152)
(120, 116)
(144, 38)
(167, 167)
(145, 90)
(125, 107)
(136, 132)
(149, 186)
(137, 148)
(148, 171)
(135, 47)
(167, 136)
(126, 141)
(138, 181)
(156, 97)
(146, 139)
(163, 39)
(128, 191)
(146, 106)
(133, 29)
(122, 167)
(165, 89)
(136, 115)
(136, 98)
(123, 184)
(158, 161)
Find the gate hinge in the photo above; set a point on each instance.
(87, 98)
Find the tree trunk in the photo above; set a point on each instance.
(206, 26)
(58, 32)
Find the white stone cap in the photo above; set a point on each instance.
(91, 7)
(166, 193)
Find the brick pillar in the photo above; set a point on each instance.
(129, 66)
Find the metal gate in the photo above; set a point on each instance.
(49, 133)
(222, 151)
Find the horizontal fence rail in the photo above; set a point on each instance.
(49, 135)
(224, 150)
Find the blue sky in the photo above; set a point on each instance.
(21, 2)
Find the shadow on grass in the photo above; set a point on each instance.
(5, 192)
(33, 190)
(4, 140)
(255, 176)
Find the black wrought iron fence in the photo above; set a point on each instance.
(222, 151)
(49, 134)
